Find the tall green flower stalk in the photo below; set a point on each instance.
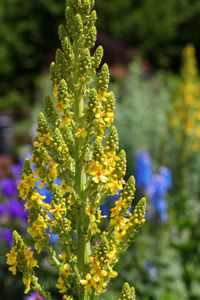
(77, 144)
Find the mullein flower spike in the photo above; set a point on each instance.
(76, 147)
(185, 113)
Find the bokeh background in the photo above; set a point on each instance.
(153, 52)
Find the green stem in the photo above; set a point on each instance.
(40, 289)
(54, 259)
(83, 246)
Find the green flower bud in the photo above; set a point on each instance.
(50, 111)
(67, 135)
(27, 167)
(55, 76)
(128, 293)
(61, 63)
(43, 127)
(91, 37)
(84, 65)
(69, 16)
(62, 34)
(113, 140)
(129, 188)
(59, 149)
(92, 18)
(97, 151)
(97, 57)
(57, 194)
(62, 91)
(85, 7)
(109, 104)
(17, 240)
(78, 26)
(92, 107)
(139, 213)
(103, 80)
(121, 164)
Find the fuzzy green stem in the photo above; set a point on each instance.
(54, 259)
(83, 246)
(40, 290)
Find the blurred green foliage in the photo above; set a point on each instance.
(28, 32)
(159, 29)
(172, 249)
(28, 36)
(153, 266)
(141, 113)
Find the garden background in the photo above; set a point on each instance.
(153, 52)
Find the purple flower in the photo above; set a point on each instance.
(3, 208)
(143, 170)
(8, 187)
(16, 172)
(6, 235)
(34, 296)
(15, 208)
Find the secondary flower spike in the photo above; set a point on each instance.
(76, 157)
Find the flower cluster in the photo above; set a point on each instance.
(11, 209)
(75, 165)
(20, 258)
(155, 186)
(185, 113)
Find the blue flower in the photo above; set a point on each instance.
(154, 186)
(45, 192)
(153, 272)
(167, 175)
(157, 191)
(143, 170)
(108, 203)
(158, 187)
(53, 237)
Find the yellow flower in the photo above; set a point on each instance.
(90, 211)
(46, 138)
(29, 181)
(113, 186)
(61, 285)
(31, 262)
(94, 229)
(53, 169)
(97, 271)
(65, 188)
(99, 284)
(65, 270)
(197, 131)
(80, 133)
(27, 283)
(23, 192)
(12, 260)
(189, 99)
(87, 282)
